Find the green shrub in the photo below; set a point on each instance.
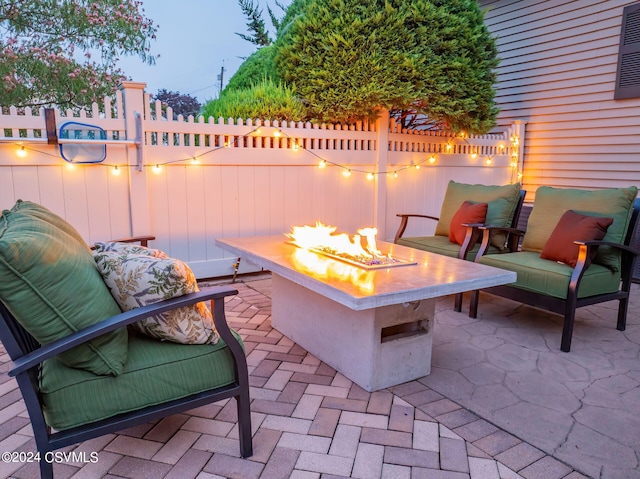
(254, 70)
(264, 100)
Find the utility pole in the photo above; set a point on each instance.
(221, 76)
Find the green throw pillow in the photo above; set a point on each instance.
(50, 283)
(501, 201)
(551, 203)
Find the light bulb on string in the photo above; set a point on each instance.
(370, 176)
(488, 161)
(21, 152)
(432, 159)
(395, 174)
(322, 164)
(346, 173)
(157, 169)
(115, 171)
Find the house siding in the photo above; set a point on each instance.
(558, 73)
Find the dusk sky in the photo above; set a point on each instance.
(195, 39)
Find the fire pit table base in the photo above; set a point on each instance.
(376, 348)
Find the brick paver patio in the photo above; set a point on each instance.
(308, 421)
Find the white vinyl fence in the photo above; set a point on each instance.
(190, 181)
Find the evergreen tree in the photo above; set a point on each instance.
(347, 59)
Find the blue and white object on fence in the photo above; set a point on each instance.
(88, 149)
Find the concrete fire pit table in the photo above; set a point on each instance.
(372, 325)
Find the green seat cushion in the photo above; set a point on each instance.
(501, 200)
(551, 203)
(50, 283)
(440, 245)
(551, 278)
(155, 372)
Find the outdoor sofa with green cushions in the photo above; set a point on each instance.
(504, 203)
(589, 228)
(79, 369)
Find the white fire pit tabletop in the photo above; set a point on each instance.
(431, 276)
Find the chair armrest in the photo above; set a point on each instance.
(114, 322)
(584, 260)
(514, 235)
(584, 253)
(620, 246)
(491, 228)
(404, 220)
(143, 240)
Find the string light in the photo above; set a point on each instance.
(294, 144)
(115, 171)
(21, 152)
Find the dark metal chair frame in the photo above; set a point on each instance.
(472, 236)
(27, 355)
(567, 307)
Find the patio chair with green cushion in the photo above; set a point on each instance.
(465, 207)
(574, 253)
(82, 373)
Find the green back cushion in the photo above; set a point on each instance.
(158, 371)
(38, 211)
(501, 200)
(50, 283)
(551, 203)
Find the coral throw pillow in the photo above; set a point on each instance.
(572, 227)
(139, 279)
(467, 213)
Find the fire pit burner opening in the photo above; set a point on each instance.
(359, 250)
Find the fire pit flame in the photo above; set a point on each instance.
(321, 239)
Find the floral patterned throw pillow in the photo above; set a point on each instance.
(139, 279)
